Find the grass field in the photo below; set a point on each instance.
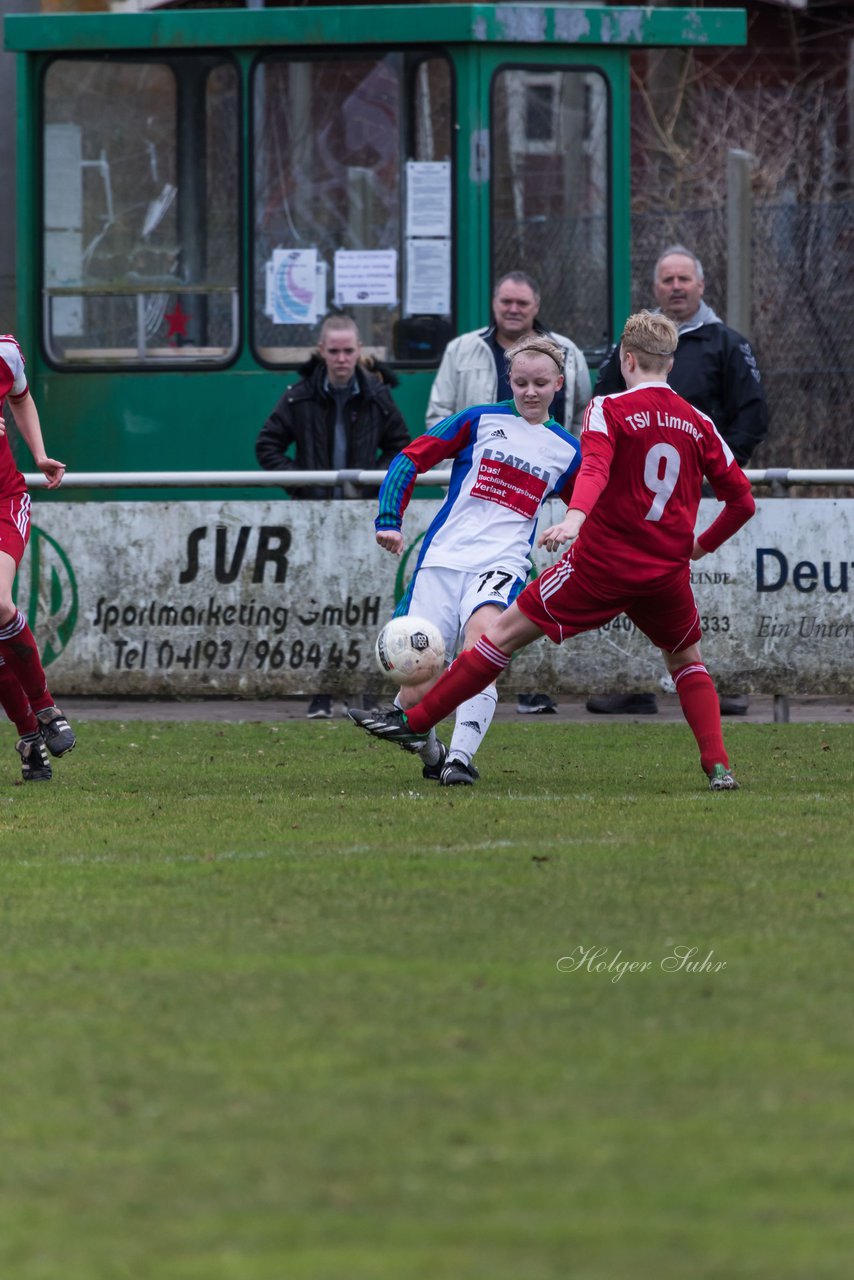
(275, 1009)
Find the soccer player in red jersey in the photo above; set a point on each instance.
(630, 533)
(24, 694)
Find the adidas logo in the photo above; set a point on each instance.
(472, 724)
(498, 435)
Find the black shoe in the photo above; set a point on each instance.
(320, 708)
(735, 706)
(535, 704)
(457, 773)
(35, 766)
(391, 726)
(433, 772)
(623, 704)
(58, 735)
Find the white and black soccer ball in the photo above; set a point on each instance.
(410, 650)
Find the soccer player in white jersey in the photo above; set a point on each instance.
(630, 531)
(508, 458)
(24, 694)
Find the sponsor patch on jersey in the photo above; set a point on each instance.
(507, 486)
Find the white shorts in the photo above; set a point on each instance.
(449, 597)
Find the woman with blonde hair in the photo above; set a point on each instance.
(507, 459)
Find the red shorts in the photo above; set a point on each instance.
(563, 603)
(15, 525)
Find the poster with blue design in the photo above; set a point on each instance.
(292, 283)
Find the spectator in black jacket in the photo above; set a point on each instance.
(715, 370)
(340, 416)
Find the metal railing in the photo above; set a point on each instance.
(224, 479)
(303, 479)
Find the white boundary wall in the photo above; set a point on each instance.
(274, 598)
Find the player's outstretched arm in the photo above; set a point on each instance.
(566, 532)
(27, 421)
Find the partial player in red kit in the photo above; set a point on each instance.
(24, 694)
(630, 531)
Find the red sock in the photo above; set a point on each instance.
(20, 653)
(467, 675)
(701, 708)
(15, 702)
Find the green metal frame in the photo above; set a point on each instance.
(400, 24)
(479, 38)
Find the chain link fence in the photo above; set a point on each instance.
(568, 259)
(803, 306)
(803, 316)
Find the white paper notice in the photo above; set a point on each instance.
(428, 198)
(63, 177)
(63, 258)
(428, 278)
(366, 277)
(292, 286)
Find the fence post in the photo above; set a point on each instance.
(781, 708)
(738, 230)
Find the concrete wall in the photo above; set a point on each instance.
(276, 598)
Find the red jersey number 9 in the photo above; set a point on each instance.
(662, 485)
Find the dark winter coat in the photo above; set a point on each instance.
(715, 370)
(305, 418)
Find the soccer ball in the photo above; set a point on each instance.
(410, 650)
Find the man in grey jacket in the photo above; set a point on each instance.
(473, 371)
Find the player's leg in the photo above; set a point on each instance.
(476, 668)
(18, 648)
(35, 766)
(487, 596)
(435, 594)
(15, 702)
(30, 746)
(17, 645)
(702, 709)
(556, 605)
(474, 715)
(469, 673)
(670, 619)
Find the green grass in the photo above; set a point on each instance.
(273, 1008)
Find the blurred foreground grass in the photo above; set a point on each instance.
(274, 1007)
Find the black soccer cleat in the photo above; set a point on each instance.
(457, 773)
(59, 737)
(390, 725)
(35, 766)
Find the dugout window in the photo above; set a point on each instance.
(549, 194)
(140, 211)
(349, 150)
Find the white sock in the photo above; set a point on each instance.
(472, 721)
